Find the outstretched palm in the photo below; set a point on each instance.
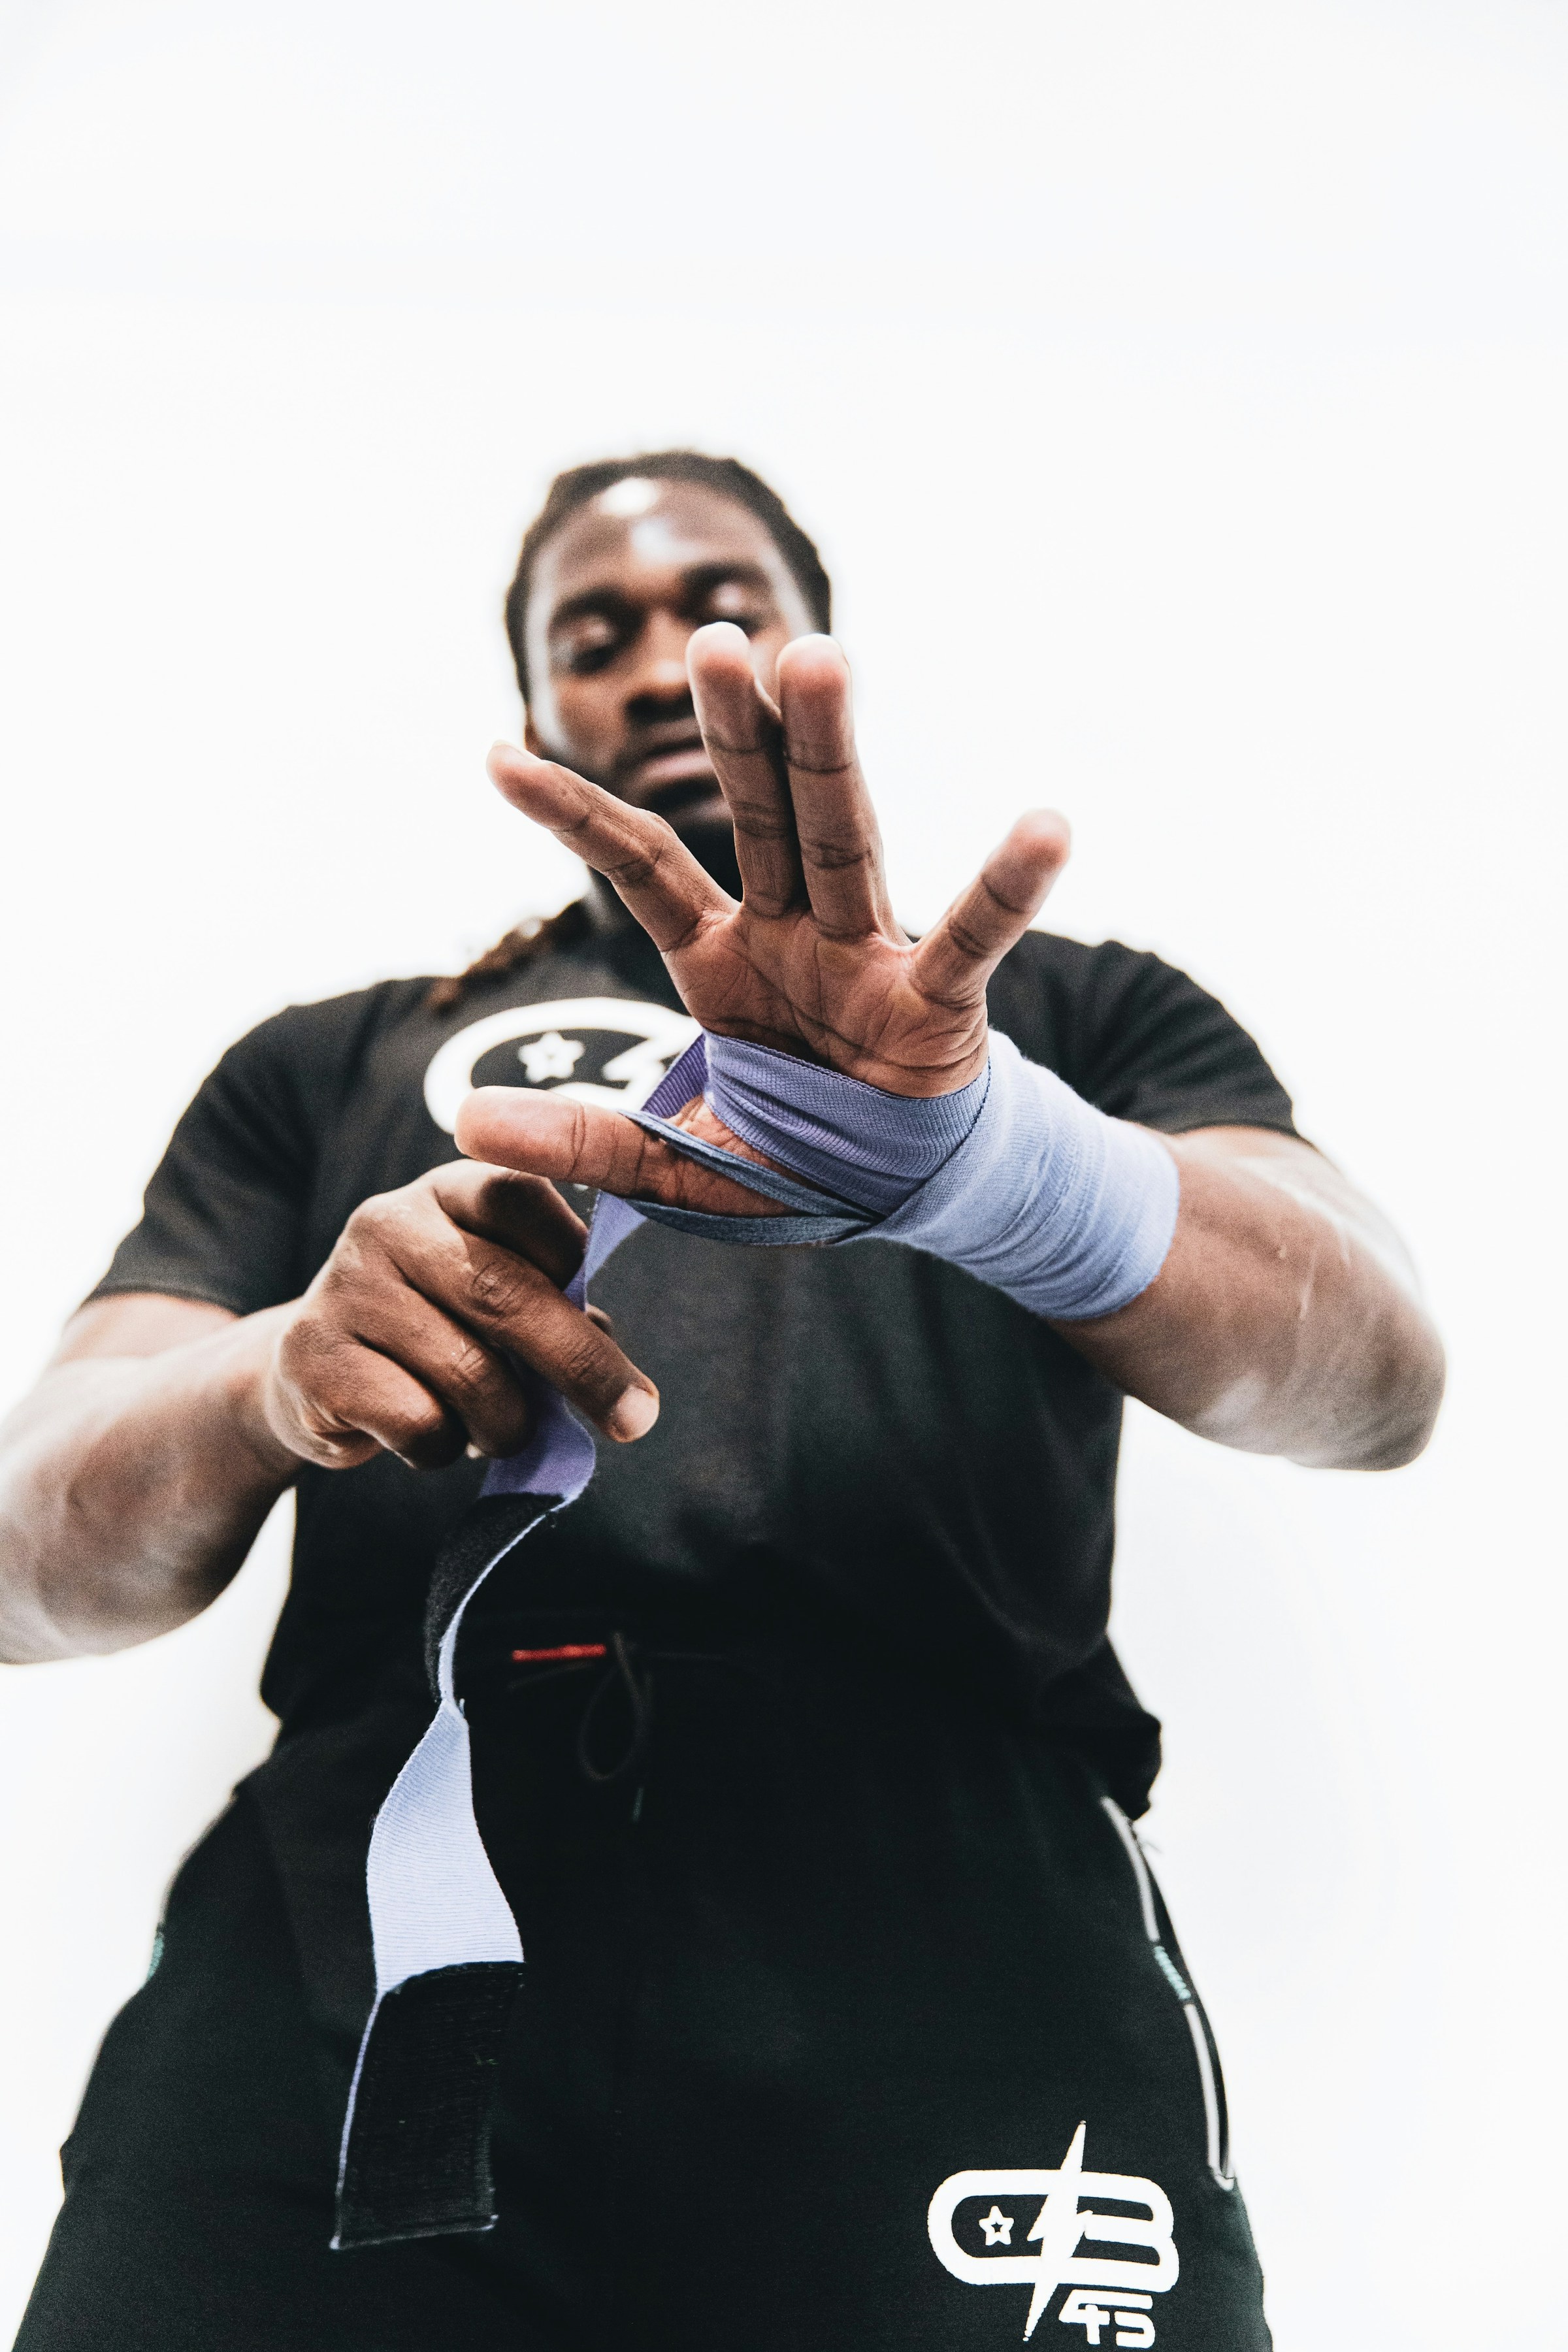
(811, 960)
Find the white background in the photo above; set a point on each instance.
(1178, 389)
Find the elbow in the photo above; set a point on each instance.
(28, 1636)
(1399, 1429)
(84, 1619)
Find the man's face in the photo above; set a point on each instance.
(617, 594)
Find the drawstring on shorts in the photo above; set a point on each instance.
(621, 1670)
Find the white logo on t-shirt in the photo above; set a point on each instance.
(1105, 2294)
(552, 1039)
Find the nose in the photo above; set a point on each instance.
(657, 681)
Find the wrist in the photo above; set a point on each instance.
(247, 1393)
(1015, 1178)
(868, 1144)
(1068, 1211)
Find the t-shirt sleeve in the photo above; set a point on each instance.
(1143, 1041)
(223, 1218)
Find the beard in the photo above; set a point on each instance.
(709, 835)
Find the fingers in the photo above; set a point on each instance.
(840, 848)
(500, 1305)
(744, 738)
(660, 881)
(953, 963)
(521, 1213)
(581, 1144)
(477, 1390)
(342, 1398)
(412, 1335)
(334, 1402)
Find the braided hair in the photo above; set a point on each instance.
(534, 936)
(568, 493)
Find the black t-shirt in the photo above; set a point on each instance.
(861, 1431)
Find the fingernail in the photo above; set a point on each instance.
(633, 1414)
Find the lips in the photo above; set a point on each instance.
(680, 765)
(670, 775)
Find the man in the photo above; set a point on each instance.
(850, 2014)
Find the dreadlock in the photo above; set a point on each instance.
(534, 936)
(570, 491)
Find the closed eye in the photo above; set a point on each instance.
(588, 642)
(737, 593)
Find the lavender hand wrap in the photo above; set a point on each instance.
(1013, 1178)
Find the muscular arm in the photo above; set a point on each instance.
(1286, 1318)
(134, 1478)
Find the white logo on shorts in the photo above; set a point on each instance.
(551, 1040)
(1105, 2292)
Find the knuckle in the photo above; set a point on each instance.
(370, 1218)
(991, 889)
(579, 1133)
(584, 1362)
(638, 868)
(471, 1365)
(346, 1271)
(389, 1238)
(497, 1190)
(422, 1436)
(830, 856)
(499, 1289)
(380, 1221)
(966, 939)
(363, 1248)
(420, 1425)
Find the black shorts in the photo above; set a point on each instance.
(850, 2019)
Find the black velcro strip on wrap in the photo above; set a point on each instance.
(418, 2160)
(487, 1529)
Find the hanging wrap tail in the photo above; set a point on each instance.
(415, 2157)
(1013, 1176)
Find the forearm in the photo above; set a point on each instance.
(1284, 1320)
(1231, 1278)
(130, 1489)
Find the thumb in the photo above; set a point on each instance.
(582, 1143)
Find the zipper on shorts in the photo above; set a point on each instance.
(1216, 2120)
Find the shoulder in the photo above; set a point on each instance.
(1135, 1034)
(1063, 994)
(322, 1043)
(1077, 966)
(280, 1086)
